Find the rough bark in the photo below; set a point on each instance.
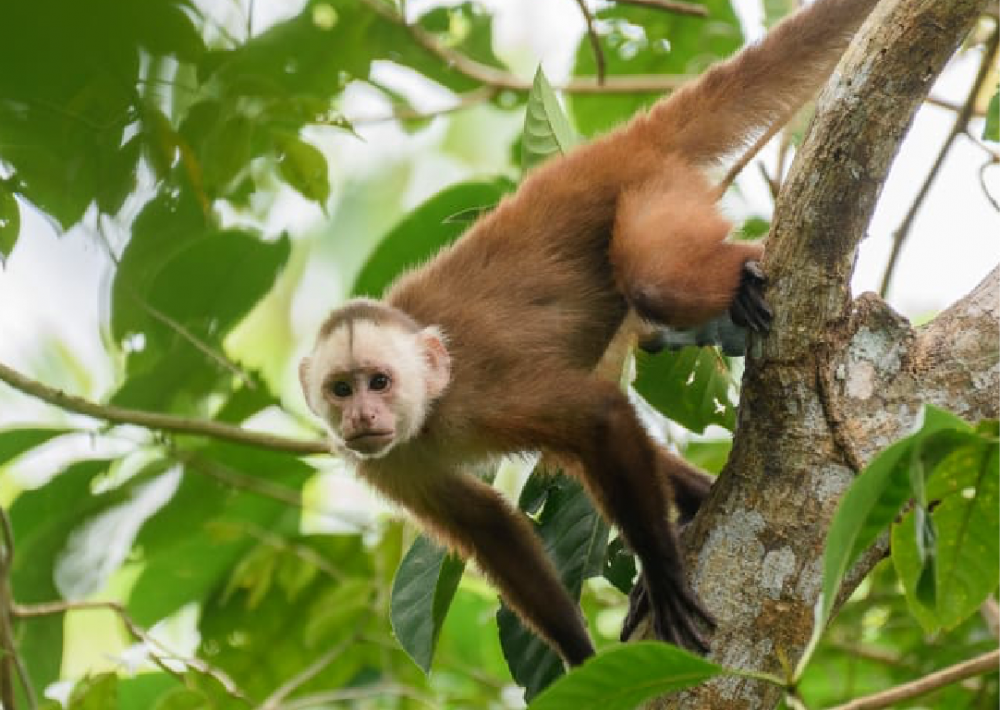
(836, 380)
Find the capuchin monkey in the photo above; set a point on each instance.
(491, 347)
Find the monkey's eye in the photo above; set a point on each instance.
(378, 382)
(340, 389)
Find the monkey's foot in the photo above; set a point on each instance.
(749, 309)
(674, 619)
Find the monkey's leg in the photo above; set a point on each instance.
(690, 486)
(473, 518)
(595, 423)
(672, 262)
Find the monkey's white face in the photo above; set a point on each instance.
(372, 384)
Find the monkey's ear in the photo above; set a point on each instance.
(304, 379)
(438, 360)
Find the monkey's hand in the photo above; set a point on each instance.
(674, 617)
(749, 309)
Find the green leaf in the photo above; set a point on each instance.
(10, 223)
(303, 167)
(422, 591)
(97, 693)
(226, 153)
(117, 169)
(184, 285)
(872, 502)
(619, 567)
(991, 131)
(143, 691)
(624, 677)
(14, 442)
(709, 456)
(690, 387)
(967, 523)
(575, 538)
(423, 232)
(547, 131)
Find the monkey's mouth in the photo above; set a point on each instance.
(369, 441)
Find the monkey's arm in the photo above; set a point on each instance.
(473, 519)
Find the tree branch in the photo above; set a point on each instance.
(985, 663)
(500, 79)
(595, 42)
(31, 611)
(755, 548)
(681, 8)
(157, 421)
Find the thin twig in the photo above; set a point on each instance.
(29, 611)
(406, 113)
(377, 690)
(196, 342)
(960, 126)
(681, 8)
(274, 700)
(745, 159)
(990, 611)
(986, 188)
(595, 41)
(237, 479)
(967, 669)
(500, 79)
(157, 421)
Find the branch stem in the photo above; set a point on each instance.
(960, 671)
(157, 421)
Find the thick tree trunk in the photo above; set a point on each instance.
(836, 380)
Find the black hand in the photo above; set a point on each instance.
(749, 309)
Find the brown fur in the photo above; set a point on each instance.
(533, 295)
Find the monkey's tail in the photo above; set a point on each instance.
(737, 100)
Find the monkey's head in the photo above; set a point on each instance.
(372, 377)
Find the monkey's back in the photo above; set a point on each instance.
(528, 289)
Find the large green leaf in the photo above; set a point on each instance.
(575, 538)
(690, 387)
(303, 167)
(639, 40)
(422, 591)
(423, 232)
(183, 285)
(967, 523)
(546, 129)
(624, 677)
(871, 503)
